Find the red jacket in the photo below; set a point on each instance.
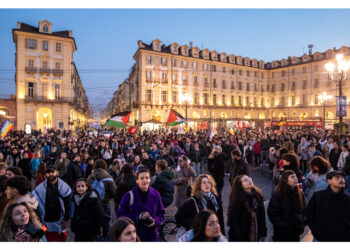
(256, 148)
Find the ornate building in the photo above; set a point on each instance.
(49, 92)
(209, 85)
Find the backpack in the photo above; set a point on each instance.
(99, 186)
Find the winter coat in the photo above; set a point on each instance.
(153, 204)
(342, 159)
(188, 211)
(12, 160)
(216, 167)
(183, 178)
(334, 157)
(34, 163)
(328, 215)
(25, 166)
(285, 215)
(265, 144)
(189, 235)
(110, 186)
(88, 214)
(239, 167)
(122, 189)
(164, 183)
(74, 172)
(256, 148)
(227, 149)
(62, 168)
(196, 155)
(239, 218)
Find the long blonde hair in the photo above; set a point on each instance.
(196, 188)
(7, 225)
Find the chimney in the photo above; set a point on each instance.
(334, 48)
(310, 46)
(191, 44)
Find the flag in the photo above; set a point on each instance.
(174, 118)
(230, 131)
(6, 128)
(247, 125)
(259, 130)
(132, 130)
(244, 125)
(180, 130)
(119, 120)
(239, 124)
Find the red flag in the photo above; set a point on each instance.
(132, 130)
(244, 125)
(239, 125)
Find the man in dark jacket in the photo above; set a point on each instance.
(61, 166)
(239, 165)
(164, 182)
(169, 159)
(226, 149)
(216, 166)
(148, 162)
(24, 165)
(74, 171)
(264, 146)
(328, 211)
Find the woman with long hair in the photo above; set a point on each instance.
(203, 196)
(123, 230)
(291, 162)
(246, 212)
(88, 214)
(127, 183)
(40, 174)
(286, 208)
(205, 228)
(16, 220)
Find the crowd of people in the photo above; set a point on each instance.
(57, 183)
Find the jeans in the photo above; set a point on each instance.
(197, 168)
(264, 156)
(107, 218)
(347, 184)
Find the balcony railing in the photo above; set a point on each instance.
(37, 98)
(45, 70)
(57, 71)
(31, 69)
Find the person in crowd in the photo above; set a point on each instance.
(154, 152)
(114, 169)
(316, 179)
(54, 197)
(286, 209)
(302, 153)
(143, 204)
(164, 182)
(24, 165)
(136, 164)
(40, 174)
(343, 155)
(257, 152)
(88, 214)
(246, 212)
(34, 163)
(169, 158)
(103, 182)
(183, 181)
(203, 196)
(61, 165)
(127, 183)
(239, 165)
(13, 159)
(327, 213)
(195, 155)
(264, 146)
(291, 162)
(149, 162)
(106, 153)
(74, 170)
(334, 155)
(123, 230)
(205, 228)
(89, 166)
(13, 171)
(216, 166)
(3, 196)
(20, 224)
(3, 168)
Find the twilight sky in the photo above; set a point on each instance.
(107, 38)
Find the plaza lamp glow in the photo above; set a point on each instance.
(324, 98)
(337, 73)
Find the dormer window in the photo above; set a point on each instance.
(174, 49)
(184, 51)
(46, 28)
(156, 46)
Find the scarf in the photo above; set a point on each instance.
(211, 197)
(253, 232)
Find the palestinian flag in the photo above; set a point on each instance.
(119, 120)
(174, 118)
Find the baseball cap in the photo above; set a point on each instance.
(50, 168)
(334, 173)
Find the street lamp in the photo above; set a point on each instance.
(337, 73)
(187, 99)
(324, 98)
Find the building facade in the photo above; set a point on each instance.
(8, 109)
(225, 88)
(49, 92)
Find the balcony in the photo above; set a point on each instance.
(57, 71)
(31, 69)
(37, 98)
(45, 71)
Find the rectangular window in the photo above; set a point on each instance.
(58, 47)
(194, 65)
(44, 89)
(293, 72)
(31, 44)
(268, 87)
(273, 88)
(262, 102)
(195, 80)
(223, 69)
(273, 102)
(282, 87)
(31, 63)
(164, 96)
(316, 67)
(232, 100)
(283, 101)
(149, 59)
(232, 85)
(214, 99)
(262, 75)
(164, 61)
(262, 87)
(205, 97)
(205, 82)
(184, 79)
(223, 84)
(239, 85)
(45, 45)
(184, 64)
(293, 100)
(293, 85)
(304, 69)
(30, 89)
(247, 101)
(240, 72)
(164, 77)
(175, 78)
(44, 64)
(255, 101)
(304, 99)
(57, 91)
(240, 100)
(272, 74)
(223, 100)
(174, 96)
(248, 86)
(248, 72)
(148, 76)
(283, 73)
(149, 95)
(304, 84)
(206, 66)
(232, 71)
(316, 83)
(214, 83)
(214, 68)
(174, 62)
(255, 74)
(196, 98)
(58, 65)
(255, 87)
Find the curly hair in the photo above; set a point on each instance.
(7, 225)
(196, 188)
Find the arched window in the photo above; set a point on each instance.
(46, 28)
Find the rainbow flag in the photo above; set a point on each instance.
(6, 128)
(231, 131)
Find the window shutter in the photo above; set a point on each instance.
(35, 44)
(27, 43)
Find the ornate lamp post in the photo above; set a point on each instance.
(324, 98)
(337, 73)
(187, 99)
